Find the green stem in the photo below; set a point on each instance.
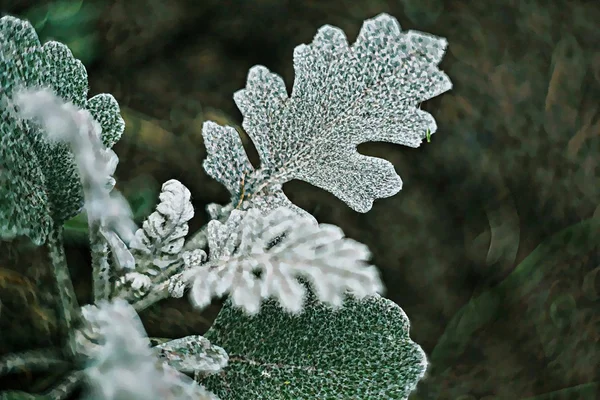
(68, 306)
(100, 264)
(67, 386)
(31, 361)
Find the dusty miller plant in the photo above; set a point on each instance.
(304, 317)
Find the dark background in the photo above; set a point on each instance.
(491, 248)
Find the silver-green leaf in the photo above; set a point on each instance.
(342, 96)
(24, 202)
(361, 351)
(26, 64)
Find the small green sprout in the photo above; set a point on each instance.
(428, 135)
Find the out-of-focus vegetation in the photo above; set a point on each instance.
(72, 22)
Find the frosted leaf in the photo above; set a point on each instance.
(109, 215)
(176, 288)
(139, 283)
(26, 207)
(65, 122)
(67, 77)
(65, 74)
(217, 211)
(226, 159)
(26, 64)
(122, 257)
(280, 248)
(160, 240)
(105, 109)
(191, 259)
(193, 354)
(121, 364)
(361, 351)
(342, 96)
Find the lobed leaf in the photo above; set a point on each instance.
(361, 351)
(67, 77)
(105, 110)
(65, 74)
(25, 206)
(26, 64)
(342, 96)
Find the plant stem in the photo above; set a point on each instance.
(68, 306)
(31, 361)
(100, 265)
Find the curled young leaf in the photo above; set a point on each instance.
(160, 241)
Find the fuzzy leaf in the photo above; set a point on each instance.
(105, 109)
(122, 365)
(361, 351)
(226, 159)
(342, 96)
(65, 74)
(226, 162)
(24, 203)
(193, 354)
(162, 236)
(281, 247)
(68, 79)
(109, 215)
(26, 64)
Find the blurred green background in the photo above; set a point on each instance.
(491, 247)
